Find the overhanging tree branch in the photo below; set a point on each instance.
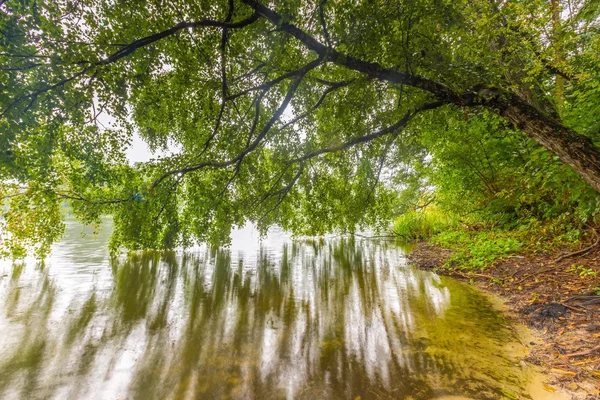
(127, 50)
(283, 192)
(224, 88)
(323, 23)
(261, 135)
(392, 129)
(333, 87)
(382, 158)
(375, 135)
(268, 85)
(573, 148)
(372, 69)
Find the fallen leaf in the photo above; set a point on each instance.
(509, 394)
(563, 372)
(549, 388)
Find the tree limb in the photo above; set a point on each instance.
(269, 84)
(127, 50)
(367, 138)
(323, 24)
(582, 251)
(381, 164)
(223, 77)
(393, 129)
(221, 164)
(283, 192)
(334, 86)
(372, 69)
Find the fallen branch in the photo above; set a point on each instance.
(374, 236)
(582, 251)
(583, 298)
(471, 275)
(583, 353)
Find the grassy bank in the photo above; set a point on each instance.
(477, 244)
(524, 264)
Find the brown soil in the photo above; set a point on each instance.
(558, 304)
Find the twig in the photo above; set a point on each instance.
(374, 236)
(583, 353)
(582, 251)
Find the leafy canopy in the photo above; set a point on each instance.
(306, 114)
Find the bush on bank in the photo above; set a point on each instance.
(477, 244)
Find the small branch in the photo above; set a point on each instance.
(224, 89)
(323, 24)
(440, 90)
(283, 192)
(372, 237)
(23, 68)
(582, 251)
(334, 86)
(221, 164)
(34, 95)
(367, 138)
(171, 192)
(583, 353)
(271, 83)
(253, 71)
(557, 71)
(275, 183)
(78, 197)
(238, 166)
(381, 164)
(127, 50)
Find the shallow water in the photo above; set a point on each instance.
(330, 318)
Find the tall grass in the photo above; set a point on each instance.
(415, 225)
(477, 243)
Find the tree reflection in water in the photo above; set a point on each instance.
(336, 318)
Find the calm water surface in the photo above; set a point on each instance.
(335, 318)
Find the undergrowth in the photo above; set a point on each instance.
(477, 244)
(415, 225)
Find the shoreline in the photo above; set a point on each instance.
(551, 300)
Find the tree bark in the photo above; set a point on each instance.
(576, 150)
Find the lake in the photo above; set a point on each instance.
(334, 318)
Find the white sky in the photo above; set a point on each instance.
(139, 151)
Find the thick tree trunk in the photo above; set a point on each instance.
(574, 149)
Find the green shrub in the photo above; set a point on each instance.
(415, 225)
(479, 249)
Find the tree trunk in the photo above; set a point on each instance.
(574, 149)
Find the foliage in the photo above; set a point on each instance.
(414, 225)
(478, 245)
(480, 249)
(316, 116)
(582, 271)
(485, 170)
